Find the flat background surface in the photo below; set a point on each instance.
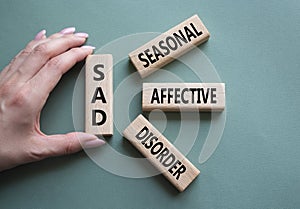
(255, 48)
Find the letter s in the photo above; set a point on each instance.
(100, 73)
(140, 56)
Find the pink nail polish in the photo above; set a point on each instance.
(40, 35)
(88, 47)
(93, 143)
(82, 35)
(69, 30)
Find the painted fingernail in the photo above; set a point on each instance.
(88, 47)
(89, 140)
(69, 30)
(82, 35)
(40, 35)
(93, 143)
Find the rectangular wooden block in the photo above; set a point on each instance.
(184, 96)
(161, 153)
(169, 46)
(99, 94)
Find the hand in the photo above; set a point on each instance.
(25, 85)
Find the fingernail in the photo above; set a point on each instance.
(69, 30)
(40, 35)
(88, 47)
(82, 35)
(93, 143)
(89, 140)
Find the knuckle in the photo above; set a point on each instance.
(24, 53)
(71, 145)
(42, 49)
(5, 89)
(54, 63)
(12, 61)
(20, 99)
(31, 44)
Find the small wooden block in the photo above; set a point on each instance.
(169, 46)
(99, 94)
(184, 96)
(161, 153)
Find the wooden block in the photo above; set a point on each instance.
(161, 153)
(169, 46)
(99, 94)
(184, 96)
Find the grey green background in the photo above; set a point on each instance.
(255, 48)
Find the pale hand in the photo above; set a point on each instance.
(25, 85)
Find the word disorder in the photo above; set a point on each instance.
(99, 94)
(184, 96)
(169, 46)
(161, 153)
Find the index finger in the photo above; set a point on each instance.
(43, 52)
(48, 77)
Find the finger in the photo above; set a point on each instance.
(23, 54)
(47, 78)
(40, 35)
(39, 39)
(18, 60)
(65, 31)
(69, 30)
(56, 145)
(3, 73)
(43, 52)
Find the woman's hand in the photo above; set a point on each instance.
(25, 85)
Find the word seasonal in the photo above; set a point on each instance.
(169, 46)
(161, 153)
(184, 96)
(99, 94)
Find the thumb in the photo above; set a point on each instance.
(63, 144)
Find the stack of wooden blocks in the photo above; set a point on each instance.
(164, 96)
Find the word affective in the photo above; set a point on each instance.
(161, 153)
(99, 94)
(184, 96)
(169, 46)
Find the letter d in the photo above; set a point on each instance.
(170, 158)
(94, 117)
(140, 135)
